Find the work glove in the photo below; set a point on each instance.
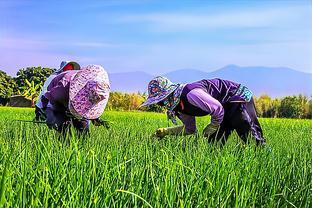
(210, 129)
(162, 132)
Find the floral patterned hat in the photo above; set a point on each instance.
(89, 92)
(159, 89)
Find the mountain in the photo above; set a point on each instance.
(274, 81)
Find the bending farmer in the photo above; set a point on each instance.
(65, 66)
(76, 97)
(230, 105)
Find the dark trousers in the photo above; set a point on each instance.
(242, 118)
(39, 114)
(61, 122)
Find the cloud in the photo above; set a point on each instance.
(17, 53)
(224, 19)
(35, 44)
(160, 39)
(13, 60)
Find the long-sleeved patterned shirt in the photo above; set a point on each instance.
(208, 97)
(57, 93)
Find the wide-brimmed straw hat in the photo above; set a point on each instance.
(89, 92)
(65, 63)
(159, 89)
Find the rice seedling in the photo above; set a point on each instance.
(126, 167)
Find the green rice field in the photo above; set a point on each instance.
(126, 167)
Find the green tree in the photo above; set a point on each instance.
(272, 111)
(115, 101)
(303, 101)
(7, 84)
(124, 101)
(267, 107)
(309, 109)
(262, 104)
(31, 91)
(290, 107)
(33, 74)
(130, 101)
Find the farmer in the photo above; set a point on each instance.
(65, 66)
(230, 105)
(76, 97)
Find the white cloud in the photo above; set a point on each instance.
(13, 60)
(17, 53)
(35, 44)
(224, 19)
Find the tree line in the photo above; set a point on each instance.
(28, 82)
(298, 106)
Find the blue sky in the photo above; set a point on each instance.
(156, 36)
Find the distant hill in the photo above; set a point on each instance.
(275, 82)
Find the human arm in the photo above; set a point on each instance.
(188, 127)
(206, 102)
(57, 93)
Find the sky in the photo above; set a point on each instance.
(156, 36)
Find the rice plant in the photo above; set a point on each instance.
(126, 167)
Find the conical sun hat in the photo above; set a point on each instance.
(89, 92)
(158, 89)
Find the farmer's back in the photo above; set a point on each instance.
(221, 90)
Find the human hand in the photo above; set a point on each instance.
(210, 129)
(99, 122)
(161, 132)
